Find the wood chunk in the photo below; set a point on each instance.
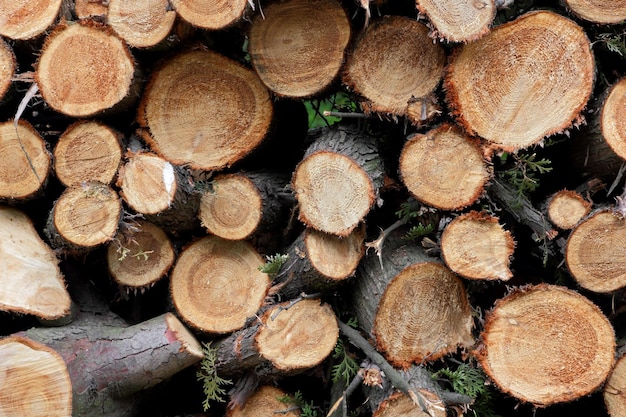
(598, 11)
(216, 284)
(84, 69)
(141, 24)
(27, 19)
(614, 391)
(547, 344)
(476, 246)
(297, 46)
(566, 208)
(525, 80)
(87, 151)
(25, 161)
(35, 380)
(210, 14)
(443, 168)
(459, 21)
(410, 69)
(8, 66)
(594, 252)
(204, 129)
(31, 280)
(264, 403)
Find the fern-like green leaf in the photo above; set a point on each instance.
(273, 264)
(347, 367)
(212, 384)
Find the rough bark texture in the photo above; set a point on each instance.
(459, 21)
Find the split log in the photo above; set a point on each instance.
(35, 380)
(87, 151)
(547, 344)
(139, 256)
(8, 66)
(398, 81)
(163, 193)
(414, 307)
(287, 339)
(614, 391)
(265, 403)
(85, 69)
(602, 12)
(337, 182)
(476, 246)
(297, 46)
(566, 208)
(444, 168)
(207, 14)
(25, 162)
(200, 122)
(545, 72)
(84, 217)
(319, 262)
(142, 24)
(459, 21)
(31, 280)
(216, 285)
(27, 20)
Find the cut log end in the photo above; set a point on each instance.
(176, 330)
(27, 20)
(142, 24)
(210, 15)
(613, 119)
(7, 67)
(602, 12)
(398, 404)
(335, 257)
(266, 401)
(459, 21)
(614, 391)
(567, 351)
(567, 208)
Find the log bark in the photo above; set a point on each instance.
(547, 344)
(216, 285)
(142, 24)
(265, 403)
(602, 12)
(545, 72)
(614, 391)
(27, 20)
(458, 21)
(297, 46)
(211, 15)
(444, 168)
(397, 81)
(177, 122)
(566, 208)
(35, 380)
(338, 181)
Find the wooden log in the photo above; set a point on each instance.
(601, 12)
(35, 380)
(476, 246)
(73, 76)
(31, 280)
(547, 344)
(210, 15)
(614, 390)
(396, 82)
(26, 162)
(142, 24)
(297, 46)
(565, 208)
(216, 285)
(458, 21)
(444, 168)
(612, 118)
(87, 151)
(264, 402)
(84, 217)
(27, 20)
(545, 72)
(87, 9)
(204, 129)
(337, 182)
(8, 66)
(414, 307)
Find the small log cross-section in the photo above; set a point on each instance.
(204, 110)
(216, 284)
(443, 168)
(34, 380)
(141, 24)
(523, 81)
(338, 180)
(547, 344)
(27, 19)
(566, 208)
(265, 402)
(32, 282)
(297, 46)
(613, 118)
(459, 20)
(598, 11)
(210, 14)
(393, 65)
(615, 389)
(476, 246)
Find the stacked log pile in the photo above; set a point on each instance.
(312, 207)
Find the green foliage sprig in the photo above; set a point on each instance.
(338, 102)
(307, 408)
(614, 42)
(347, 367)
(273, 264)
(212, 384)
(524, 172)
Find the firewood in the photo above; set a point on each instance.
(337, 182)
(216, 285)
(87, 151)
(25, 21)
(615, 388)
(545, 72)
(226, 117)
(265, 402)
(476, 246)
(392, 403)
(397, 81)
(444, 168)
(459, 21)
(414, 307)
(72, 75)
(35, 380)
(8, 66)
(565, 344)
(25, 162)
(210, 15)
(141, 24)
(566, 208)
(297, 46)
(602, 12)
(84, 217)
(32, 282)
